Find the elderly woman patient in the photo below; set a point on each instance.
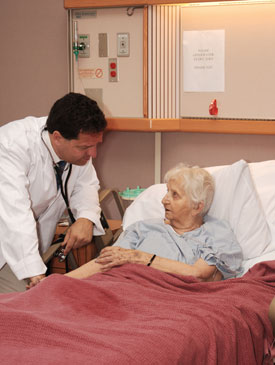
(187, 242)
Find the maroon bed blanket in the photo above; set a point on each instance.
(135, 314)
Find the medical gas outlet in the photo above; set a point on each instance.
(84, 45)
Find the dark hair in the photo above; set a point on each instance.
(75, 113)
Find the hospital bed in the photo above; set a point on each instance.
(135, 314)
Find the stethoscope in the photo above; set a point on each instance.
(58, 172)
(64, 192)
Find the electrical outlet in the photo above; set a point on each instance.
(123, 44)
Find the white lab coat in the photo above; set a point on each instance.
(30, 205)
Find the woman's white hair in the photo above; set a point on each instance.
(196, 182)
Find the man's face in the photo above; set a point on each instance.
(77, 151)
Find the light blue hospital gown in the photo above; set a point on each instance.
(214, 242)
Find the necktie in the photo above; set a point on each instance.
(59, 171)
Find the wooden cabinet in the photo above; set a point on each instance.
(81, 255)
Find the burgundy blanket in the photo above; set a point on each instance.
(135, 314)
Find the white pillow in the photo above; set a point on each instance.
(263, 174)
(146, 206)
(235, 200)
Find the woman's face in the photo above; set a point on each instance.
(178, 207)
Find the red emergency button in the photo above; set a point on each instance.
(113, 70)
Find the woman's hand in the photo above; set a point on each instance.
(116, 256)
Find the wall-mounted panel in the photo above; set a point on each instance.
(249, 53)
(112, 74)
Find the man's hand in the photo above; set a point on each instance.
(34, 280)
(79, 234)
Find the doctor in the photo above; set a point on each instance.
(31, 198)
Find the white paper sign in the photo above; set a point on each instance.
(203, 61)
